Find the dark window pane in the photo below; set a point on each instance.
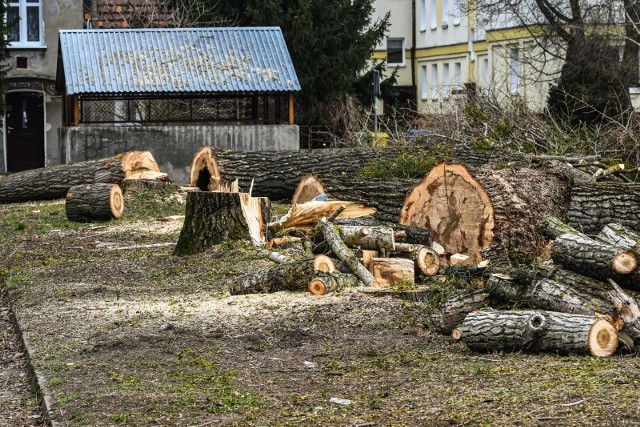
(395, 54)
(33, 24)
(13, 34)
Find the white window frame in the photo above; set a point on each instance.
(22, 6)
(485, 74)
(424, 90)
(434, 81)
(456, 13)
(457, 75)
(404, 52)
(445, 13)
(433, 6)
(446, 84)
(514, 70)
(422, 14)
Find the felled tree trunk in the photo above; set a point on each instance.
(628, 309)
(324, 283)
(486, 214)
(403, 233)
(212, 218)
(290, 276)
(552, 227)
(537, 331)
(386, 195)
(595, 205)
(276, 174)
(366, 238)
(55, 181)
(601, 261)
(621, 237)
(94, 202)
(457, 307)
(551, 295)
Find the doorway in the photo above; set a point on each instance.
(24, 131)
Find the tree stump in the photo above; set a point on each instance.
(537, 331)
(55, 181)
(213, 217)
(486, 214)
(94, 202)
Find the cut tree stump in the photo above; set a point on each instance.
(55, 181)
(537, 331)
(601, 261)
(94, 202)
(213, 217)
(593, 206)
(385, 195)
(394, 272)
(324, 283)
(486, 214)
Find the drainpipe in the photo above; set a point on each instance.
(414, 89)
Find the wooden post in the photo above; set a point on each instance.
(76, 111)
(291, 108)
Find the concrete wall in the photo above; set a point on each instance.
(172, 146)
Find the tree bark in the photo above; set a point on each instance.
(212, 218)
(94, 202)
(386, 195)
(552, 227)
(324, 283)
(548, 294)
(403, 233)
(593, 206)
(293, 276)
(276, 174)
(628, 309)
(54, 182)
(621, 237)
(486, 214)
(537, 331)
(597, 260)
(457, 307)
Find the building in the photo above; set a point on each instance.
(77, 94)
(444, 51)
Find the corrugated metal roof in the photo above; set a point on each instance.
(244, 59)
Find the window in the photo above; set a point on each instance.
(27, 18)
(457, 75)
(434, 81)
(423, 15)
(445, 13)
(424, 91)
(514, 76)
(445, 81)
(485, 74)
(395, 51)
(434, 14)
(456, 12)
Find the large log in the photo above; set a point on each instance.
(276, 174)
(601, 261)
(537, 331)
(386, 195)
(620, 236)
(213, 217)
(551, 295)
(291, 276)
(55, 181)
(627, 308)
(595, 205)
(94, 202)
(404, 233)
(457, 307)
(486, 214)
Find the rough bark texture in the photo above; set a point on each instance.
(413, 235)
(548, 294)
(212, 218)
(552, 227)
(628, 309)
(507, 289)
(276, 174)
(94, 202)
(621, 237)
(594, 287)
(456, 308)
(54, 182)
(538, 331)
(294, 276)
(324, 283)
(386, 195)
(486, 214)
(594, 259)
(595, 205)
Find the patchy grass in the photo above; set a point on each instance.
(407, 165)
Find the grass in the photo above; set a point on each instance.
(406, 165)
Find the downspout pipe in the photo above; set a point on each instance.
(414, 89)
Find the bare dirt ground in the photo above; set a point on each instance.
(125, 333)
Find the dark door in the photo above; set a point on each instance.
(25, 131)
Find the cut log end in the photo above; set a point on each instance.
(428, 261)
(116, 201)
(603, 338)
(625, 263)
(205, 173)
(138, 161)
(318, 287)
(323, 263)
(456, 335)
(309, 188)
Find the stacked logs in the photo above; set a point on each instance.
(578, 305)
